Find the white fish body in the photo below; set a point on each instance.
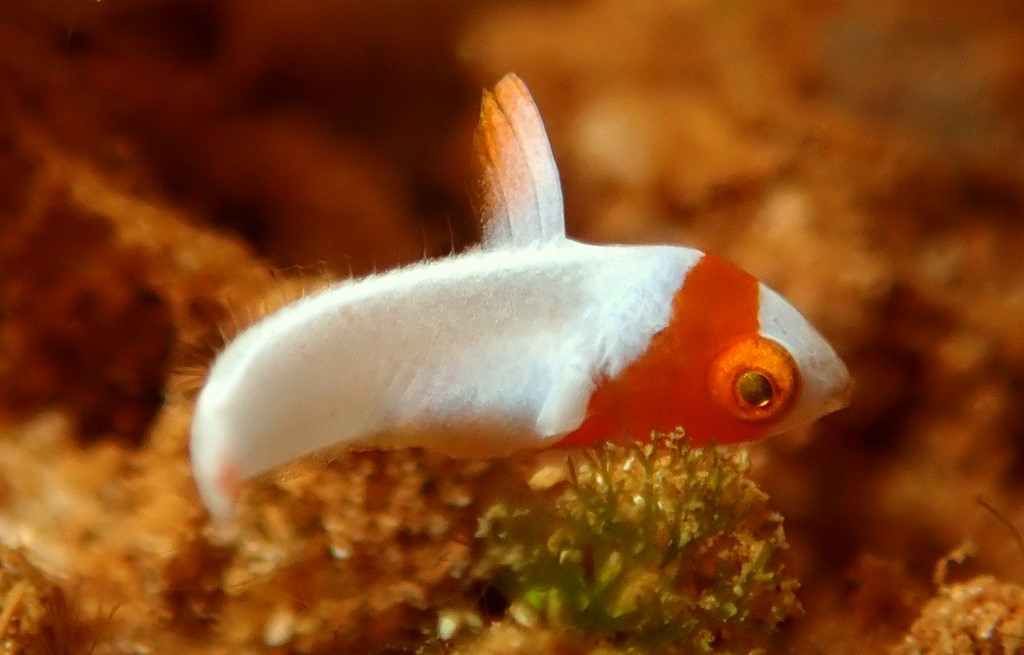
(495, 350)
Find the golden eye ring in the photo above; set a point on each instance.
(755, 380)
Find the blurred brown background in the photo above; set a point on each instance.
(159, 157)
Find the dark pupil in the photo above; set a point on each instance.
(755, 388)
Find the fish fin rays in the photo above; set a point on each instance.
(566, 404)
(519, 196)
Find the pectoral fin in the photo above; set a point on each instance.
(566, 404)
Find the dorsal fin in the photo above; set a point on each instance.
(519, 196)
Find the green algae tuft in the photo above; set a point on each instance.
(658, 546)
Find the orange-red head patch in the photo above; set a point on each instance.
(708, 372)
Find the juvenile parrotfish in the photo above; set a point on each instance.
(531, 340)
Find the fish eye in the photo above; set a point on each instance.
(754, 388)
(755, 380)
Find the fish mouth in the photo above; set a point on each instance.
(841, 398)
